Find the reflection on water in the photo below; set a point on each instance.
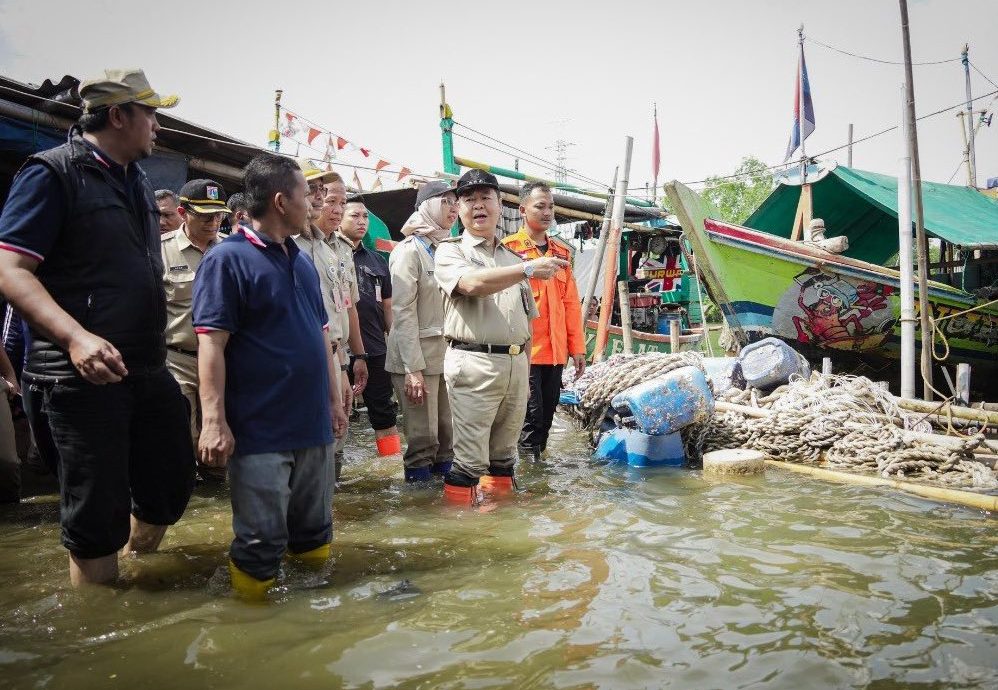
(594, 577)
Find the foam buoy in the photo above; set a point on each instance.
(734, 461)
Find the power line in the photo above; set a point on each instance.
(873, 59)
(982, 74)
(551, 165)
(846, 145)
(550, 168)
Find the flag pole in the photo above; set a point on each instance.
(275, 134)
(657, 161)
(802, 219)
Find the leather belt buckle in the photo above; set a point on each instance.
(515, 350)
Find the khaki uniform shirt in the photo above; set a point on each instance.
(312, 244)
(346, 278)
(416, 341)
(180, 262)
(499, 319)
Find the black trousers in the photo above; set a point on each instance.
(381, 409)
(545, 389)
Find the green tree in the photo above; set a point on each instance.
(738, 196)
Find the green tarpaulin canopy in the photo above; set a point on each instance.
(863, 206)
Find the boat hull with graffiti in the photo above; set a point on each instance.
(828, 305)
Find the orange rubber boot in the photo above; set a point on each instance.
(496, 487)
(389, 445)
(460, 496)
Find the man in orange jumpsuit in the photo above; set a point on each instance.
(557, 332)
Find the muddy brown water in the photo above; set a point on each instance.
(595, 577)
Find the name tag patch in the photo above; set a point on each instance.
(179, 269)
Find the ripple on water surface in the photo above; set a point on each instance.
(595, 577)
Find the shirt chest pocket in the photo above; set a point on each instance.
(561, 282)
(179, 286)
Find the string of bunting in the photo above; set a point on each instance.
(294, 124)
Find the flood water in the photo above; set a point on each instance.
(594, 577)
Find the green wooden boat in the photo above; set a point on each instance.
(847, 306)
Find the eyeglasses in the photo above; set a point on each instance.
(208, 217)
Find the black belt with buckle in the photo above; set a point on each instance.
(491, 349)
(189, 353)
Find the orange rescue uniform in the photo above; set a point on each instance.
(557, 332)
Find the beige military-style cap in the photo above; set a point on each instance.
(122, 86)
(314, 173)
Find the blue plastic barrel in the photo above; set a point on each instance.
(770, 362)
(641, 450)
(663, 321)
(668, 403)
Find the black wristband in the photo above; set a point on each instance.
(362, 355)
(343, 367)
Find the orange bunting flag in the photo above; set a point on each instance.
(376, 187)
(366, 152)
(381, 164)
(312, 134)
(403, 173)
(340, 143)
(356, 182)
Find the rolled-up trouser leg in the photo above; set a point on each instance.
(310, 507)
(260, 489)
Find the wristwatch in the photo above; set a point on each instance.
(362, 355)
(343, 367)
(528, 269)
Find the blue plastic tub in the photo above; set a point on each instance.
(668, 403)
(663, 321)
(641, 450)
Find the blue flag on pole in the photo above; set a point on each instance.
(803, 109)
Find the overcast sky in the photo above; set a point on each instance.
(530, 73)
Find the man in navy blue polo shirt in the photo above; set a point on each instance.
(267, 372)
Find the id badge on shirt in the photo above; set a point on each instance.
(377, 289)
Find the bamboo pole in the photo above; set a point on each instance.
(624, 296)
(920, 236)
(613, 248)
(908, 319)
(965, 498)
(674, 334)
(969, 413)
(569, 212)
(587, 299)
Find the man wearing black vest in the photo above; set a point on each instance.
(82, 265)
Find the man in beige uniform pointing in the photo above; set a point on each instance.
(488, 308)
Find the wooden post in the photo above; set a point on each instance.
(613, 247)
(805, 210)
(587, 298)
(624, 296)
(908, 318)
(826, 366)
(963, 384)
(674, 335)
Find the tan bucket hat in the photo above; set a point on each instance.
(122, 86)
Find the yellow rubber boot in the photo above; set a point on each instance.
(314, 558)
(247, 587)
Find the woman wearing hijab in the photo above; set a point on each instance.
(416, 344)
